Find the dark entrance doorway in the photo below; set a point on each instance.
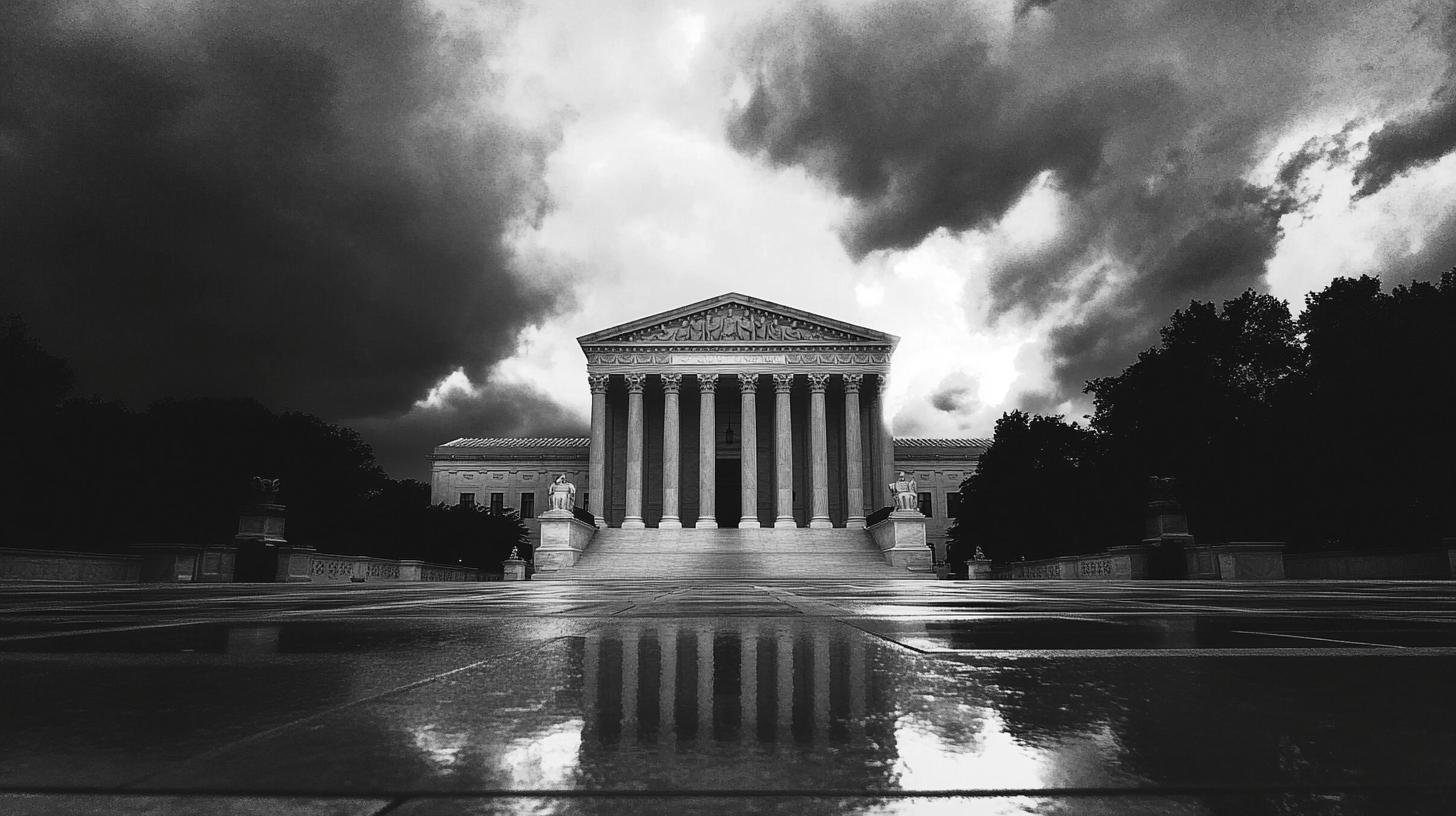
(728, 489)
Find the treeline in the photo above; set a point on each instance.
(1333, 431)
(84, 474)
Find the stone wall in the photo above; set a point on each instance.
(60, 565)
(1432, 564)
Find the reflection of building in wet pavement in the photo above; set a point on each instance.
(776, 682)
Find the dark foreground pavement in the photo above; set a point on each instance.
(866, 697)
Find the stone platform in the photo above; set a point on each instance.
(732, 555)
(793, 697)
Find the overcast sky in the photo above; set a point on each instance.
(399, 216)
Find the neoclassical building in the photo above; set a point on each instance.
(729, 412)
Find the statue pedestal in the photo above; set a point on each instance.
(901, 539)
(563, 539)
(978, 570)
(513, 569)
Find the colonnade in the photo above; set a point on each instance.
(783, 493)
(761, 707)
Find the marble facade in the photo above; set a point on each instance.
(729, 412)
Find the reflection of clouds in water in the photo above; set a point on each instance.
(989, 758)
(441, 748)
(547, 759)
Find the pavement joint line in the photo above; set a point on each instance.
(1150, 790)
(1313, 637)
(1121, 654)
(207, 756)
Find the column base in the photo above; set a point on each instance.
(670, 524)
(820, 524)
(630, 523)
(707, 524)
(748, 524)
(785, 523)
(854, 523)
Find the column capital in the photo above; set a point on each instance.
(635, 382)
(817, 383)
(783, 382)
(598, 382)
(748, 383)
(707, 383)
(671, 382)
(852, 382)
(882, 382)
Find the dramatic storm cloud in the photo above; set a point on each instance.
(1148, 120)
(303, 202)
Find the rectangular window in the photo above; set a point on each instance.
(467, 499)
(952, 503)
(528, 505)
(585, 500)
(926, 506)
(497, 502)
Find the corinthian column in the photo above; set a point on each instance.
(783, 450)
(597, 470)
(748, 389)
(853, 455)
(633, 520)
(819, 451)
(670, 452)
(707, 451)
(886, 457)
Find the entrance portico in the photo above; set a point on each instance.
(786, 401)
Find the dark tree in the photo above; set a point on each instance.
(1210, 406)
(1036, 493)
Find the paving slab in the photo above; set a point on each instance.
(801, 697)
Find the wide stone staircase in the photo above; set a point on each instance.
(731, 555)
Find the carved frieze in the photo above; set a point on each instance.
(734, 321)
(801, 358)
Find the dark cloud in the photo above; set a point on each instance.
(1145, 117)
(302, 202)
(1420, 138)
(402, 442)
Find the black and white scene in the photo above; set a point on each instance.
(443, 407)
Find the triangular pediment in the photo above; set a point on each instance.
(737, 319)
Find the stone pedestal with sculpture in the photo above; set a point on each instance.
(978, 568)
(513, 568)
(563, 536)
(901, 536)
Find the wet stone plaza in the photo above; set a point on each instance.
(852, 697)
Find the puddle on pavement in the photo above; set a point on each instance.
(814, 705)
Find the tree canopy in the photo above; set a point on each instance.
(1332, 430)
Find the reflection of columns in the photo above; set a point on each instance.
(590, 664)
(705, 684)
(853, 458)
(886, 453)
(667, 684)
(707, 451)
(748, 683)
(857, 680)
(748, 449)
(630, 640)
(633, 519)
(670, 452)
(819, 451)
(821, 684)
(784, 450)
(784, 685)
(597, 478)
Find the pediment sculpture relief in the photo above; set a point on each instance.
(735, 323)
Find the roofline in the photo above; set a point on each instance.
(597, 337)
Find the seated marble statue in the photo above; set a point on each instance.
(903, 489)
(562, 494)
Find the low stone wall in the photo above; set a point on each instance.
(63, 565)
(341, 569)
(1116, 564)
(1431, 564)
